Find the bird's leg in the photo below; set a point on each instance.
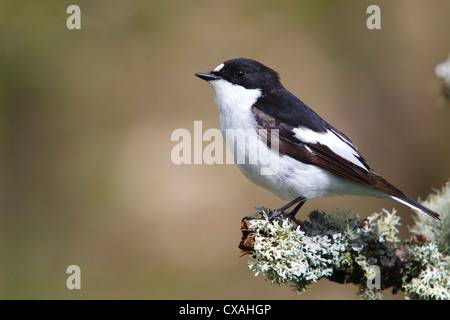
(297, 207)
(291, 215)
(299, 200)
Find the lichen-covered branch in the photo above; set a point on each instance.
(347, 249)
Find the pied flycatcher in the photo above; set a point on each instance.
(314, 159)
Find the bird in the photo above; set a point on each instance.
(313, 158)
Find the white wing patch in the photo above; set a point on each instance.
(332, 141)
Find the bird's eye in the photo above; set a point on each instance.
(239, 73)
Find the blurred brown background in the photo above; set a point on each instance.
(86, 118)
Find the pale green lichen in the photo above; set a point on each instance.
(285, 254)
(386, 223)
(430, 261)
(436, 231)
(300, 255)
(433, 273)
(328, 246)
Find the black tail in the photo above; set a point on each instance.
(415, 205)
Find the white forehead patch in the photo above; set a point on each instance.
(218, 68)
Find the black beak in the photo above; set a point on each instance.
(208, 76)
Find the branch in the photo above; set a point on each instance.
(347, 249)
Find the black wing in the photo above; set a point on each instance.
(291, 114)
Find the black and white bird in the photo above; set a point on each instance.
(314, 159)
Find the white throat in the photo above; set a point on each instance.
(234, 103)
